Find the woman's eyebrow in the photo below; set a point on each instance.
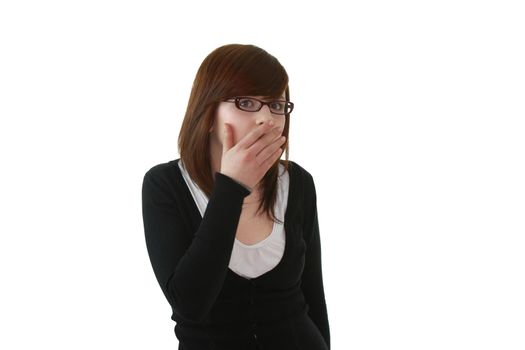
(267, 99)
(281, 98)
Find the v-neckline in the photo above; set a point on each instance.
(286, 228)
(261, 242)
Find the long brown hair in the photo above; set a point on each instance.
(230, 70)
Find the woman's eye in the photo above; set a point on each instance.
(277, 106)
(246, 103)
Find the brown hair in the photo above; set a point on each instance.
(230, 70)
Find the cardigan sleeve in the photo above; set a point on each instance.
(190, 266)
(312, 277)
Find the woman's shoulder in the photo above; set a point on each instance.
(169, 171)
(163, 174)
(162, 169)
(295, 168)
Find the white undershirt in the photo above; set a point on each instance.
(251, 261)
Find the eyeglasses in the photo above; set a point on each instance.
(251, 104)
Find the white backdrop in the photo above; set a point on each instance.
(409, 115)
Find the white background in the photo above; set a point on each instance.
(409, 115)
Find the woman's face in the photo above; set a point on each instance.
(242, 122)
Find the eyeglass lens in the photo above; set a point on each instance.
(252, 105)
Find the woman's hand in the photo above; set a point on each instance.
(248, 160)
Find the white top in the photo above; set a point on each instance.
(251, 261)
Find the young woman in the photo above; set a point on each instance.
(231, 230)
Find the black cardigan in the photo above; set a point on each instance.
(190, 257)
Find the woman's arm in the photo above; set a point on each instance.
(191, 267)
(312, 277)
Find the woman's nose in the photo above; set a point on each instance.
(265, 114)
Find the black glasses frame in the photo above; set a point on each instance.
(238, 98)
